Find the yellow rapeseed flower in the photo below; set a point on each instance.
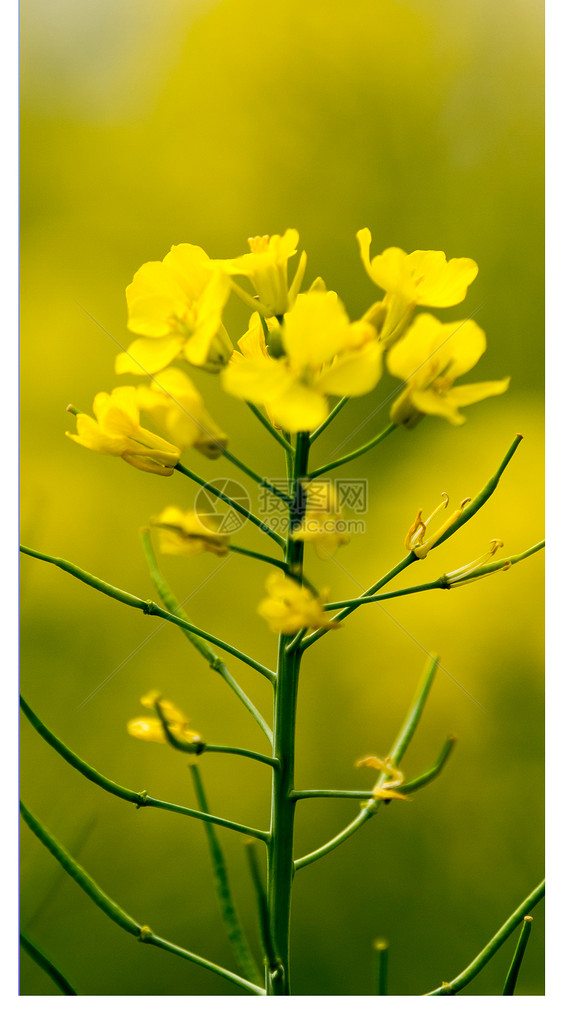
(184, 533)
(266, 268)
(177, 408)
(429, 358)
(422, 278)
(176, 305)
(151, 729)
(315, 353)
(289, 606)
(116, 430)
(323, 523)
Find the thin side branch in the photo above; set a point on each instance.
(140, 799)
(216, 663)
(232, 503)
(396, 753)
(43, 961)
(513, 973)
(335, 411)
(287, 447)
(143, 933)
(441, 582)
(354, 454)
(241, 949)
(482, 959)
(148, 607)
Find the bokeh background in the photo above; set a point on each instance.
(145, 125)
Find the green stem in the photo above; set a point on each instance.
(280, 854)
(241, 752)
(332, 794)
(428, 776)
(258, 556)
(444, 582)
(287, 447)
(468, 512)
(411, 722)
(366, 599)
(339, 839)
(335, 411)
(485, 493)
(381, 949)
(241, 949)
(261, 481)
(411, 786)
(231, 503)
(147, 607)
(275, 970)
(198, 747)
(354, 454)
(482, 959)
(42, 960)
(216, 663)
(395, 755)
(511, 980)
(355, 603)
(140, 799)
(143, 933)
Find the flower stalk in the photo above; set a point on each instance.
(280, 854)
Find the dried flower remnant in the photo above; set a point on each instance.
(185, 533)
(395, 778)
(152, 729)
(466, 575)
(289, 607)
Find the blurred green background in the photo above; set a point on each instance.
(145, 125)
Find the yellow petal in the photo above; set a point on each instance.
(316, 329)
(469, 394)
(353, 373)
(91, 436)
(190, 268)
(440, 282)
(430, 348)
(383, 793)
(299, 408)
(146, 355)
(148, 729)
(391, 272)
(256, 380)
(154, 299)
(431, 403)
(364, 239)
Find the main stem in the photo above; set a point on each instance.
(280, 870)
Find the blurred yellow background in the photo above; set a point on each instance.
(145, 125)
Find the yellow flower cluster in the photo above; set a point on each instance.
(301, 347)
